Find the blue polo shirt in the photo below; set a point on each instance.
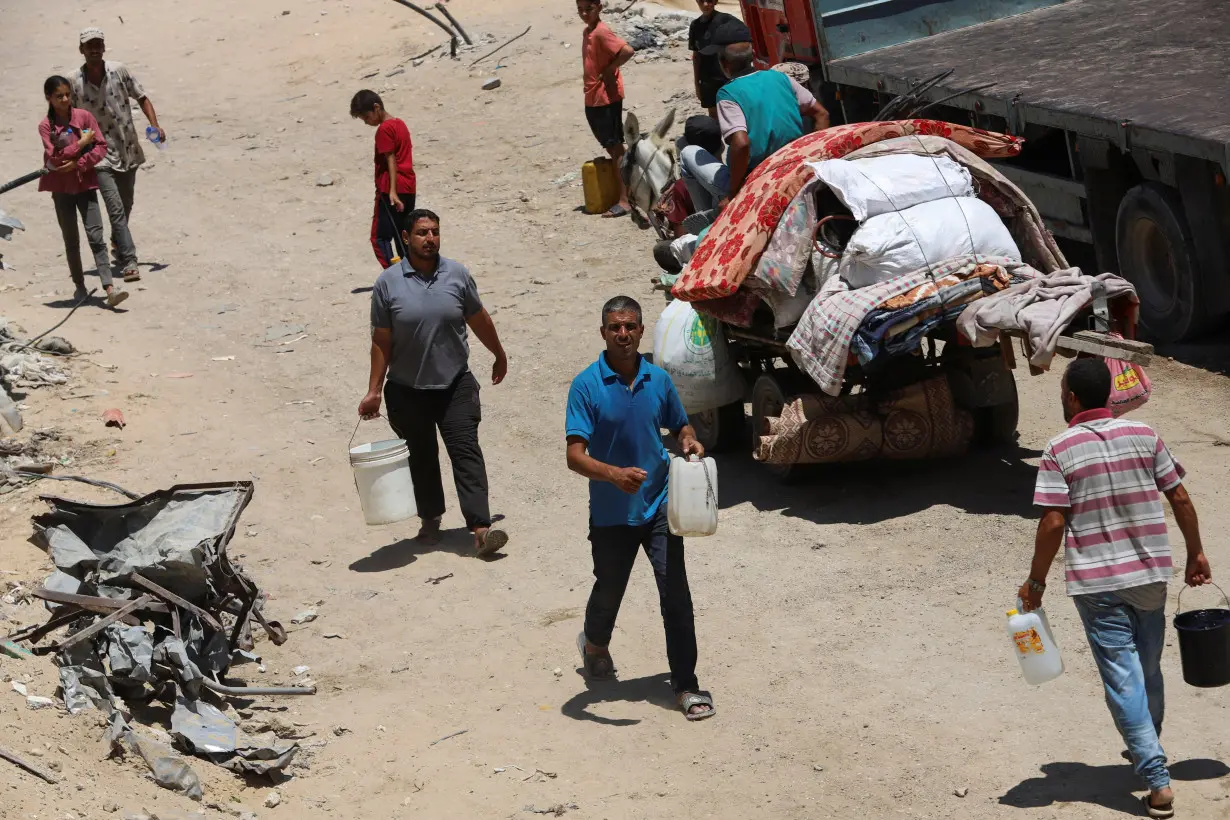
(622, 426)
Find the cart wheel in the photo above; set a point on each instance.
(720, 429)
(996, 425)
(768, 401)
(1156, 254)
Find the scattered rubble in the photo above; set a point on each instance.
(153, 609)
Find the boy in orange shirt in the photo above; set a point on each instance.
(602, 53)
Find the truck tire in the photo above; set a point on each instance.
(721, 429)
(995, 426)
(1157, 255)
(768, 400)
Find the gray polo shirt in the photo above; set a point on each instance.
(428, 318)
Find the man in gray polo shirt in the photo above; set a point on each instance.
(421, 308)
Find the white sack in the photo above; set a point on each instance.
(923, 236)
(691, 348)
(880, 185)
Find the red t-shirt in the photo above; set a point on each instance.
(393, 137)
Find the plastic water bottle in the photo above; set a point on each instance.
(691, 497)
(151, 134)
(1034, 646)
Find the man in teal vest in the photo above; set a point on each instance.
(760, 111)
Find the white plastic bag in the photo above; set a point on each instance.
(880, 185)
(691, 349)
(923, 236)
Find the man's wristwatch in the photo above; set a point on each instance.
(1036, 586)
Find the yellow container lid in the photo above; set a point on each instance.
(1012, 612)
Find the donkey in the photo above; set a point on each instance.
(650, 166)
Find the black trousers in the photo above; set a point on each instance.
(614, 550)
(415, 415)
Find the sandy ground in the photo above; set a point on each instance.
(851, 629)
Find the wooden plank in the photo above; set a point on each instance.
(34, 634)
(1005, 350)
(1087, 345)
(1096, 344)
(92, 603)
(172, 598)
(748, 337)
(28, 766)
(102, 623)
(1130, 345)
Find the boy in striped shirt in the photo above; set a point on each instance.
(1101, 482)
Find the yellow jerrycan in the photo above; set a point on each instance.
(601, 185)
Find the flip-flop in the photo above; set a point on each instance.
(1162, 812)
(597, 667)
(616, 211)
(493, 541)
(691, 699)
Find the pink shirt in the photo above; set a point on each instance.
(60, 146)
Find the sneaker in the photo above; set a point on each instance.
(116, 296)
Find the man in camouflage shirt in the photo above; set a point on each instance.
(104, 87)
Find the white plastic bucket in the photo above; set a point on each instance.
(382, 477)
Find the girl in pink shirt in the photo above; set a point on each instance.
(72, 146)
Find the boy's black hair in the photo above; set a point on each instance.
(1089, 380)
(364, 102)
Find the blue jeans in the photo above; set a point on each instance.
(1127, 645)
(708, 180)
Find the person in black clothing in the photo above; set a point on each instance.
(706, 63)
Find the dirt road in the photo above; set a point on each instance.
(850, 629)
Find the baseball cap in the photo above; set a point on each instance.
(728, 31)
(92, 33)
(703, 131)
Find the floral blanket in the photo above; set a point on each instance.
(733, 246)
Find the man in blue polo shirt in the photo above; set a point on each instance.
(617, 408)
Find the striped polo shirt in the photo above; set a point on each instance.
(1110, 475)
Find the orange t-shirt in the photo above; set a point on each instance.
(598, 49)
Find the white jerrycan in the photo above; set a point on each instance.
(1034, 646)
(691, 497)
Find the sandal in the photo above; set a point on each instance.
(689, 699)
(597, 667)
(1163, 811)
(616, 211)
(132, 274)
(493, 541)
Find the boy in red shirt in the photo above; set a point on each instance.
(602, 53)
(395, 182)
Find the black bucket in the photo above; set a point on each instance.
(1204, 644)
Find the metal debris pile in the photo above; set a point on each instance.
(153, 610)
(39, 453)
(23, 367)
